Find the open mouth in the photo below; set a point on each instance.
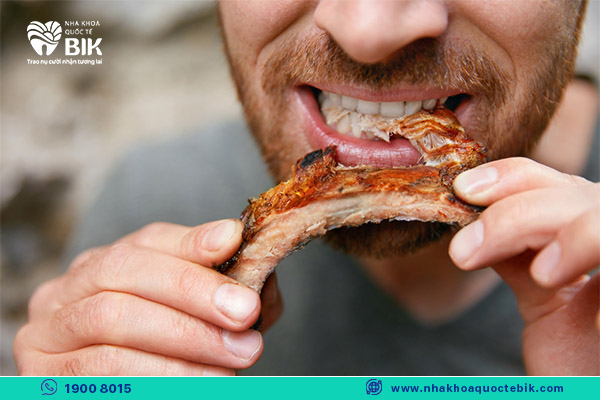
(363, 130)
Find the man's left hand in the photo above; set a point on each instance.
(541, 233)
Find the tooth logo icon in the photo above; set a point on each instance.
(41, 35)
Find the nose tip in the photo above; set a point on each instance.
(371, 31)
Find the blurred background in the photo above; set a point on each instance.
(62, 126)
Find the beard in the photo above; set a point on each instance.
(510, 125)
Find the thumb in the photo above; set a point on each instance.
(209, 244)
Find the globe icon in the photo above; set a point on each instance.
(374, 386)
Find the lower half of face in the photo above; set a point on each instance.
(302, 92)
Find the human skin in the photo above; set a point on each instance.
(88, 321)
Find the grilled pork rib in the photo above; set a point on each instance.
(322, 195)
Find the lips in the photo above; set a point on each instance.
(356, 148)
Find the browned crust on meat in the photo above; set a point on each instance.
(317, 177)
(416, 193)
(322, 195)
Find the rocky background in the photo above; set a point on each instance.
(62, 126)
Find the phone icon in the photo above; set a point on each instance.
(49, 387)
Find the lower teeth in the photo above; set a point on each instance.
(351, 123)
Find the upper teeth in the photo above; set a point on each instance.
(393, 109)
(369, 119)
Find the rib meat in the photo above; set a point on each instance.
(322, 195)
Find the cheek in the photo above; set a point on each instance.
(250, 25)
(522, 30)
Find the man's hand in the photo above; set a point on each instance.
(149, 304)
(541, 233)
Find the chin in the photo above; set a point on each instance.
(388, 238)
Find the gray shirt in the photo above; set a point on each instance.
(335, 321)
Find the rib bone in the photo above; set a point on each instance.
(321, 195)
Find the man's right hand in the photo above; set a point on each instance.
(148, 304)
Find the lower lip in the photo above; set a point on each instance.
(351, 151)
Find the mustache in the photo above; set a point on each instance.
(426, 61)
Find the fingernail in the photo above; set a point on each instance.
(466, 242)
(235, 302)
(476, 180)
(545, 263)
(242, 344)
(211, 370)
(218, 235)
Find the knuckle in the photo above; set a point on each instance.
(102, 360)
(523, 162)
(577, 180)
(109, 360)
(73, 366)
(89, 319)
(188, 282)
(83, 258)
(530, 172)
(522, 166)
(504, 214)
(100, 315)
(115, 260)
(188, 330)
(144, 236)
(85, 263)
(67, 320)
(191, 242)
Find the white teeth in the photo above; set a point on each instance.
(355, 123)
(352, 116)
(325, 100)
(349, 103)
(344, 126)
(429, 104)
(411, 107)
(392, 109)
(367, 107)
(336, 99)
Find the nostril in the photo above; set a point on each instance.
(372, 31)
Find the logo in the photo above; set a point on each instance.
(49, 387)
(41, 35)
(374, 386)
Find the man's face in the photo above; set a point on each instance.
(501, 64)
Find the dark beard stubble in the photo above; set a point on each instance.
(319, 58)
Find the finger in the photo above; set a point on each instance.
(272, 305)
(164, 279)
(527, 220)
(567, 334)
(210, 244)
(575, 251)
(496, 180)
(124, 320)
(107, 360)
(533, 300)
